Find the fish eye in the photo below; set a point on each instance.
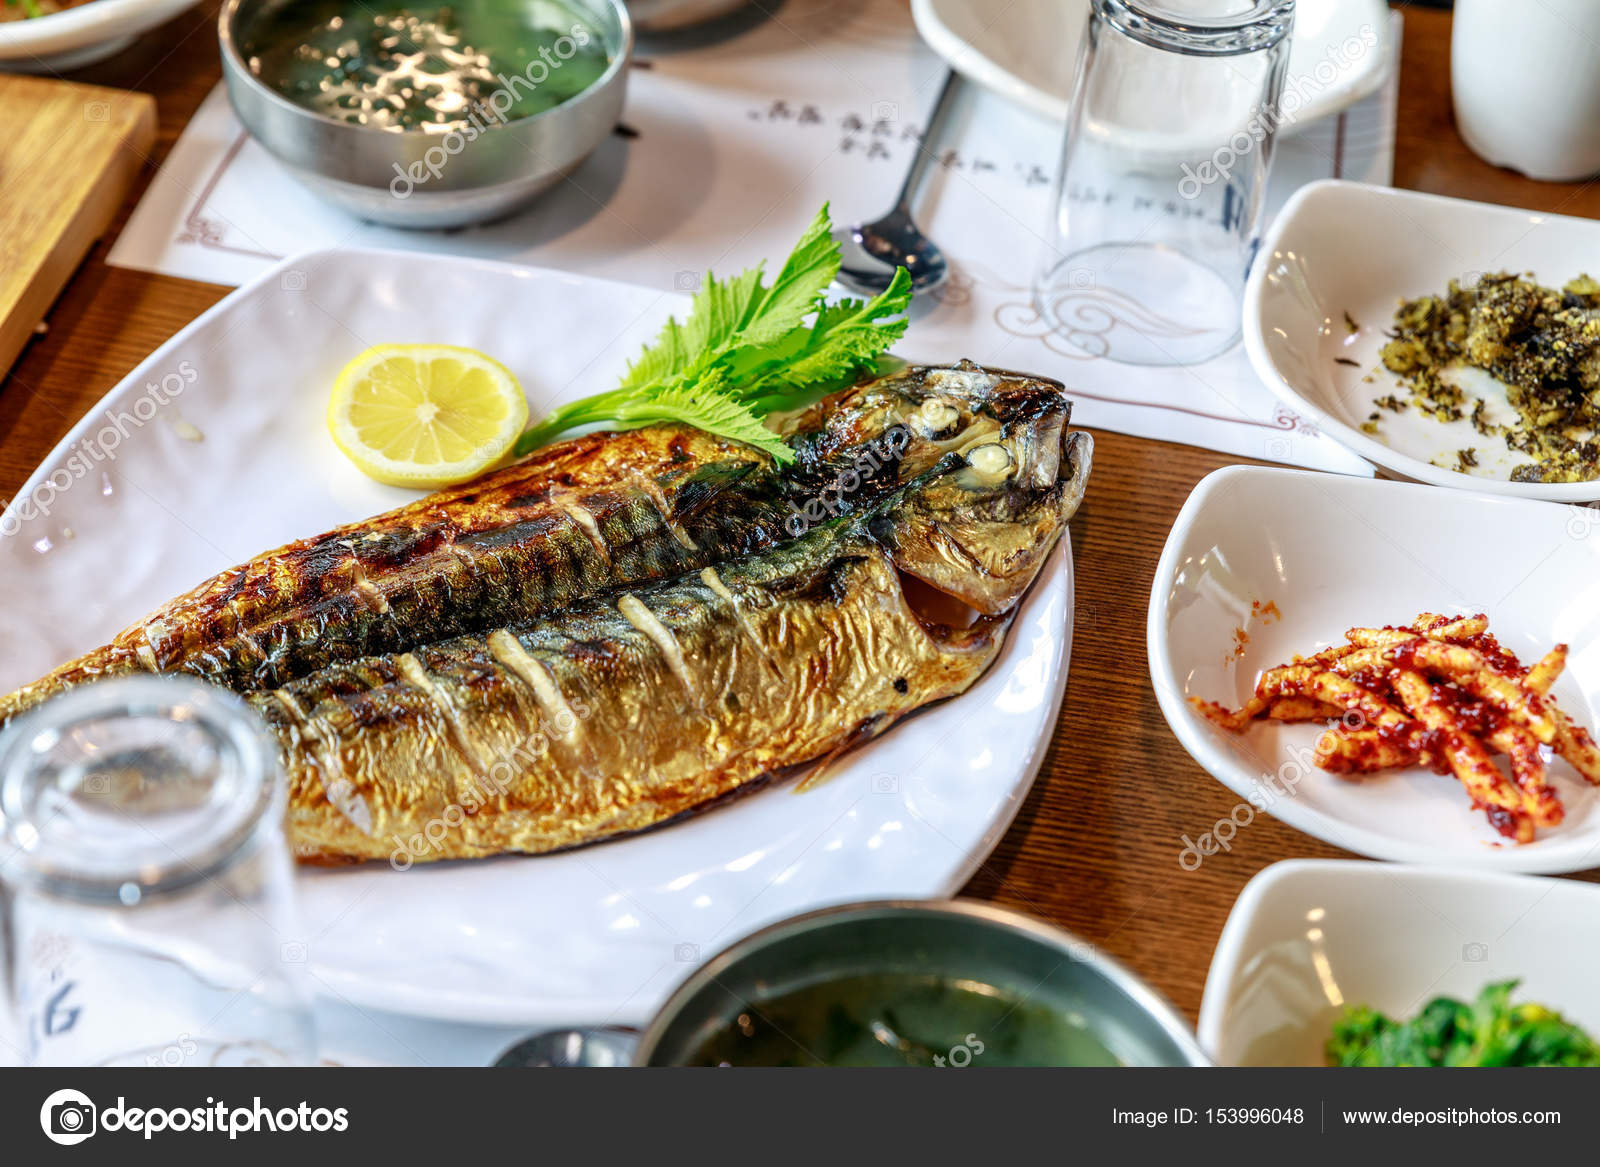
(935, 416)
(991, 459)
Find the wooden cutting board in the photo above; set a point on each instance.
(68, 154)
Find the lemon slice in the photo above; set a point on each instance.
(425, 415)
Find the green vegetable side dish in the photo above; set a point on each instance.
(901, 1019)
(1490, 1031)
(1542, 344)
(749, 349)
(433, 68)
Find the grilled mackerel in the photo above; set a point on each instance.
(595, 513)
(627, 709)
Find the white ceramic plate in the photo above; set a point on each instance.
(1306, 938)
(1334, 553)
(1027, 50)
(1340, 247)
(588, 936)
(80, 36)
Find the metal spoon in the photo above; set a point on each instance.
(572, 1047)
(873, 250)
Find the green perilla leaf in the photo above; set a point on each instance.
(747, 349)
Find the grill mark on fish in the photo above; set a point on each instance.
(375, 600)
(508, 650)
(585, 520)
(337, 788)
(455, 732)
(554, 708)
(634, 611)
(658, 499)
(713, 581)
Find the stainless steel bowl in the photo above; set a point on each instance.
(956, 939)
(415, 179)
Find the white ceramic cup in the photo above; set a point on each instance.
(1525, 77)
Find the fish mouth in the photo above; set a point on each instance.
(1076, 460)
(946, 618)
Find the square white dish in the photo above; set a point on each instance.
(139, 503)
(1308, 937)
(1333, 553)
(1345, 247)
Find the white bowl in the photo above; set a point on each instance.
(1340, 247)
(80, 36)
(1308, 937)
(1335, 553)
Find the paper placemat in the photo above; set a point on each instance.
(727, 148)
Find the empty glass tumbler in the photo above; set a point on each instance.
(1158, 208)
(148, 885)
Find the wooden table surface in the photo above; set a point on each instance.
(1096, 846)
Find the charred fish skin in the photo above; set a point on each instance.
(632, 709)
(599, 511)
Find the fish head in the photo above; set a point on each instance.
(976, 528)
(913, 418)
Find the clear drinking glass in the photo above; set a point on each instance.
(149, 894)
(1158, 204)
